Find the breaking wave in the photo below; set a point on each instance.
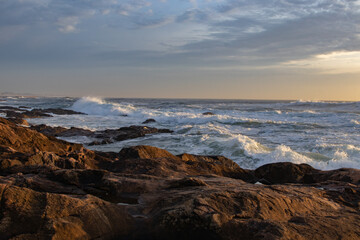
(98, 106)
(322, 134)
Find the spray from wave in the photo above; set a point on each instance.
(98, 106)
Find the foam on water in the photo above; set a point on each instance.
(98, 106)
(325, 135)
(355, 121)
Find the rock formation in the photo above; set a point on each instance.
(52, 189)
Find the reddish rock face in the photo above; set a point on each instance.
(51, 189)
(28, 214)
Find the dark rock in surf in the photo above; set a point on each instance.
(103, 142)
(150, 120)
(107, 136)
(208, 113)
(131, 132)
(61, 131)
(60, 111)
(22, 112)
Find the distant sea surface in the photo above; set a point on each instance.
(325, 135)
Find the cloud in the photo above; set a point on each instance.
(63, 13)
(67, 24)
(258, 32)
(233, 32)
(151, 22)
(193, 15)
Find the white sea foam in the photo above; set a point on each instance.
(355, 121)
(98, 106)
(322, 134)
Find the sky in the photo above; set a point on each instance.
(244, 49)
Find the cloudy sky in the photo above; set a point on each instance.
(242, 49)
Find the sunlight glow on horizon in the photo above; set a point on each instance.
(338, 62)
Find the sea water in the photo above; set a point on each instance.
(325, 135)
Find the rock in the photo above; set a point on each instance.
(231, 209)
(35, 113)
(24, 107)
(8, 108)
(125, 133)
(349, 175)
(218, 165)
(284, 172)
(150, 120)
(103, 142)
(27, 214)
(145, 152)
(187, 182)
(158, 162)
(60, 111)
(208, 113)
(51, 189)
(19, 121)
(61, 131)
(22, 112)
(108, 136)
(24, 146)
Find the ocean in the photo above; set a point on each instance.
(325, 135)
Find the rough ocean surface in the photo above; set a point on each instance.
(325, 135)
(53, 189)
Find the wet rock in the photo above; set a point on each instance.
(22, 112)
(6, 108)
(131, 132)
(61, 131)
(60, 111)
(108, 136)
(103, 142)
(35, 113)
(208, 113)
(150, 120)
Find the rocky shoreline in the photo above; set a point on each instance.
(52, 189)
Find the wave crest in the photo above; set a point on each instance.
(99, 106)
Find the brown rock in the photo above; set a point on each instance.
(145, 152)
(23, 146)
(19, 121)
(51, 189)
(27, 214)
(284, 172)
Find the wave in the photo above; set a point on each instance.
(98, 106)
(332, 105)
(356, 122)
